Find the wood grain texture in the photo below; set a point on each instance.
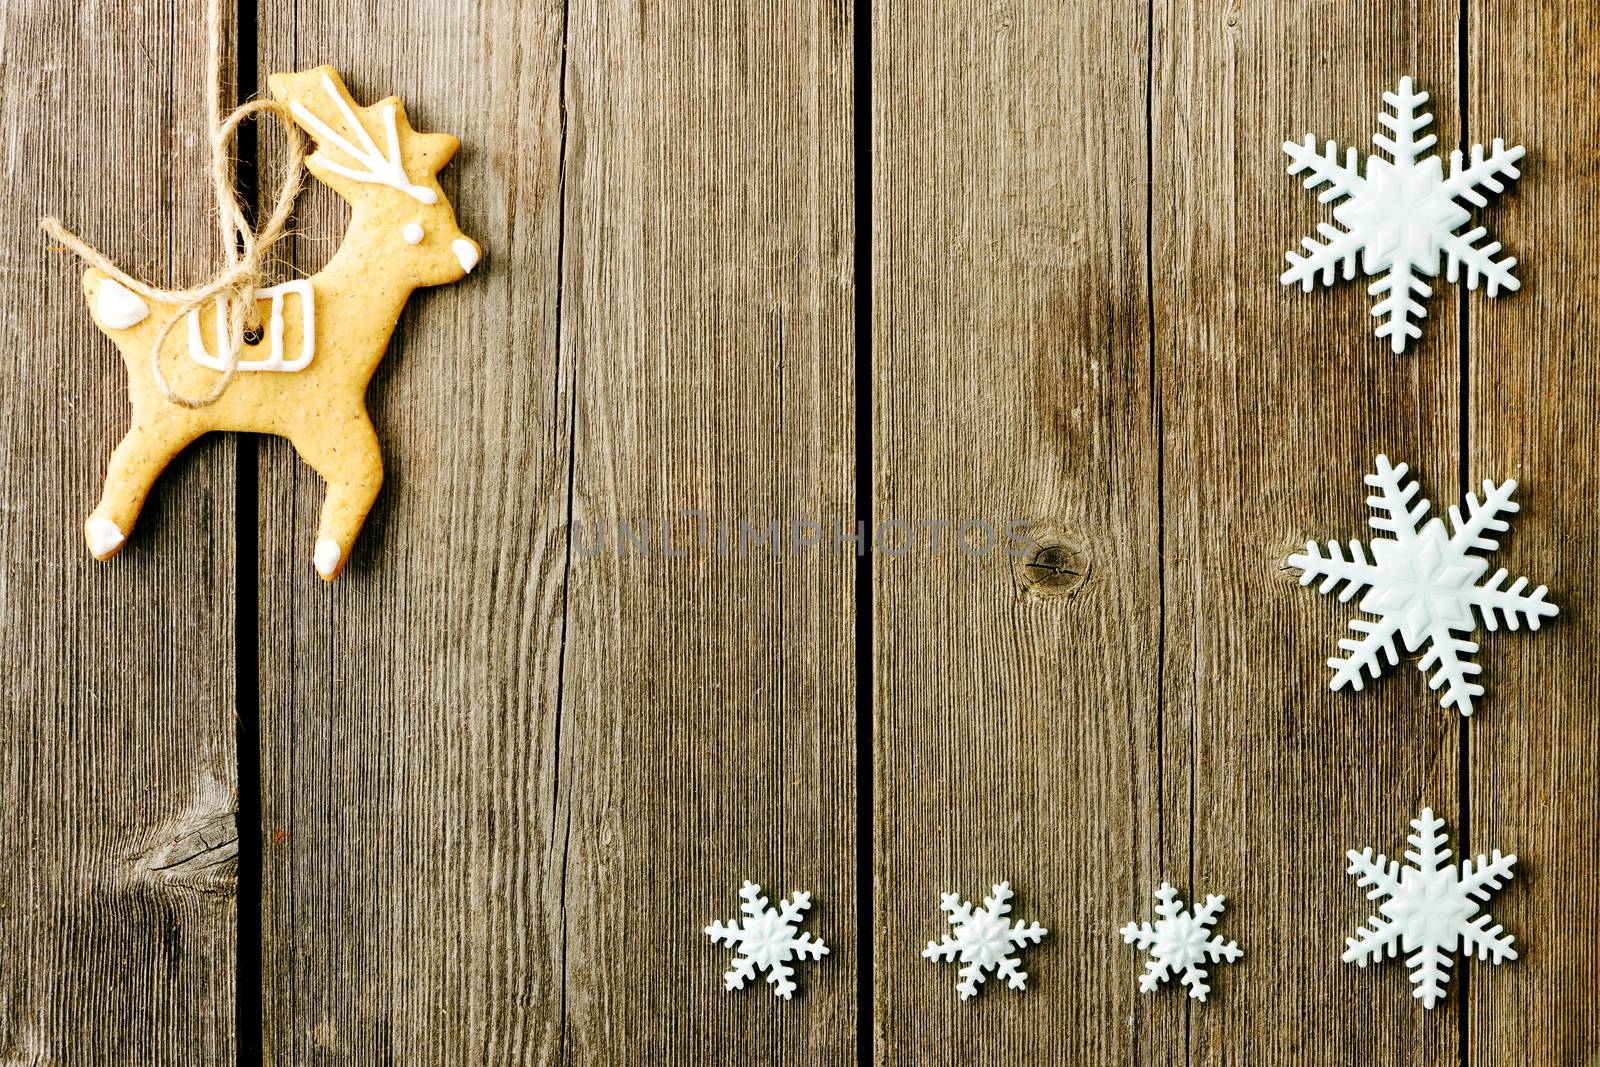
(706, 310)
(1534, 400)
(1274, 403)
(1247, 776)
(413, 814)
(506, 787)
(117, 729)
(1016, 733)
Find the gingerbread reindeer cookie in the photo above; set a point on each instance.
(303, 374)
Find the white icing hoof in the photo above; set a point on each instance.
(327, 558)
(104, 537)
(466, 253)
(118, 307)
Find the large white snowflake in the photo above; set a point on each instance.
(984, 940)
(1401, 215)
(1430, 908)
(1179, 943)
(1423, 584)
(767, 940)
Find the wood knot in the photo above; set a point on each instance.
(203, 857)
(199, 849)
(1052, 567)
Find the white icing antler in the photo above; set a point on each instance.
(380, 169)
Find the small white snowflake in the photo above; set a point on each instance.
(1428, 908)
(984, 940)
(1423, 585)
(767, 940)
(1401, 215)
(1179, 943)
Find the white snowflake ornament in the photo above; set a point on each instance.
(1424, 585)
(1430, 907)
(767, 941)
(1179, 943)
(1400, 215)
(984, 940)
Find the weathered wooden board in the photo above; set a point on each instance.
(1533, 379)
(1254, 779)
(1018, 699)
(116, 724)
(413, 811)
(505, 787)
(1274, 403)
(706, 309)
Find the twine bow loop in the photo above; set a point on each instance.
(244, 248)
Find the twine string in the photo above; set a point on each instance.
(244, 249)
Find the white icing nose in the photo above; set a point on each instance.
(466, 253)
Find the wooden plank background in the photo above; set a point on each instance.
(117, 735)
(504, 779)
(1016, 725)
(514, 836)
(1532, 397)
(1081, 212)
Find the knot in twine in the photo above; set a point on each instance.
(244, 249)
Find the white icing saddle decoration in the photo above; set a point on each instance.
(274, 361)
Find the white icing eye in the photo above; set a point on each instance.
(412, 233)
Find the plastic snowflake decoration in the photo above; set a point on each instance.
(1400, 215)
(767, 940)
(1423, 584)
(1430, 908)
(1179, 943)
(984, 940)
